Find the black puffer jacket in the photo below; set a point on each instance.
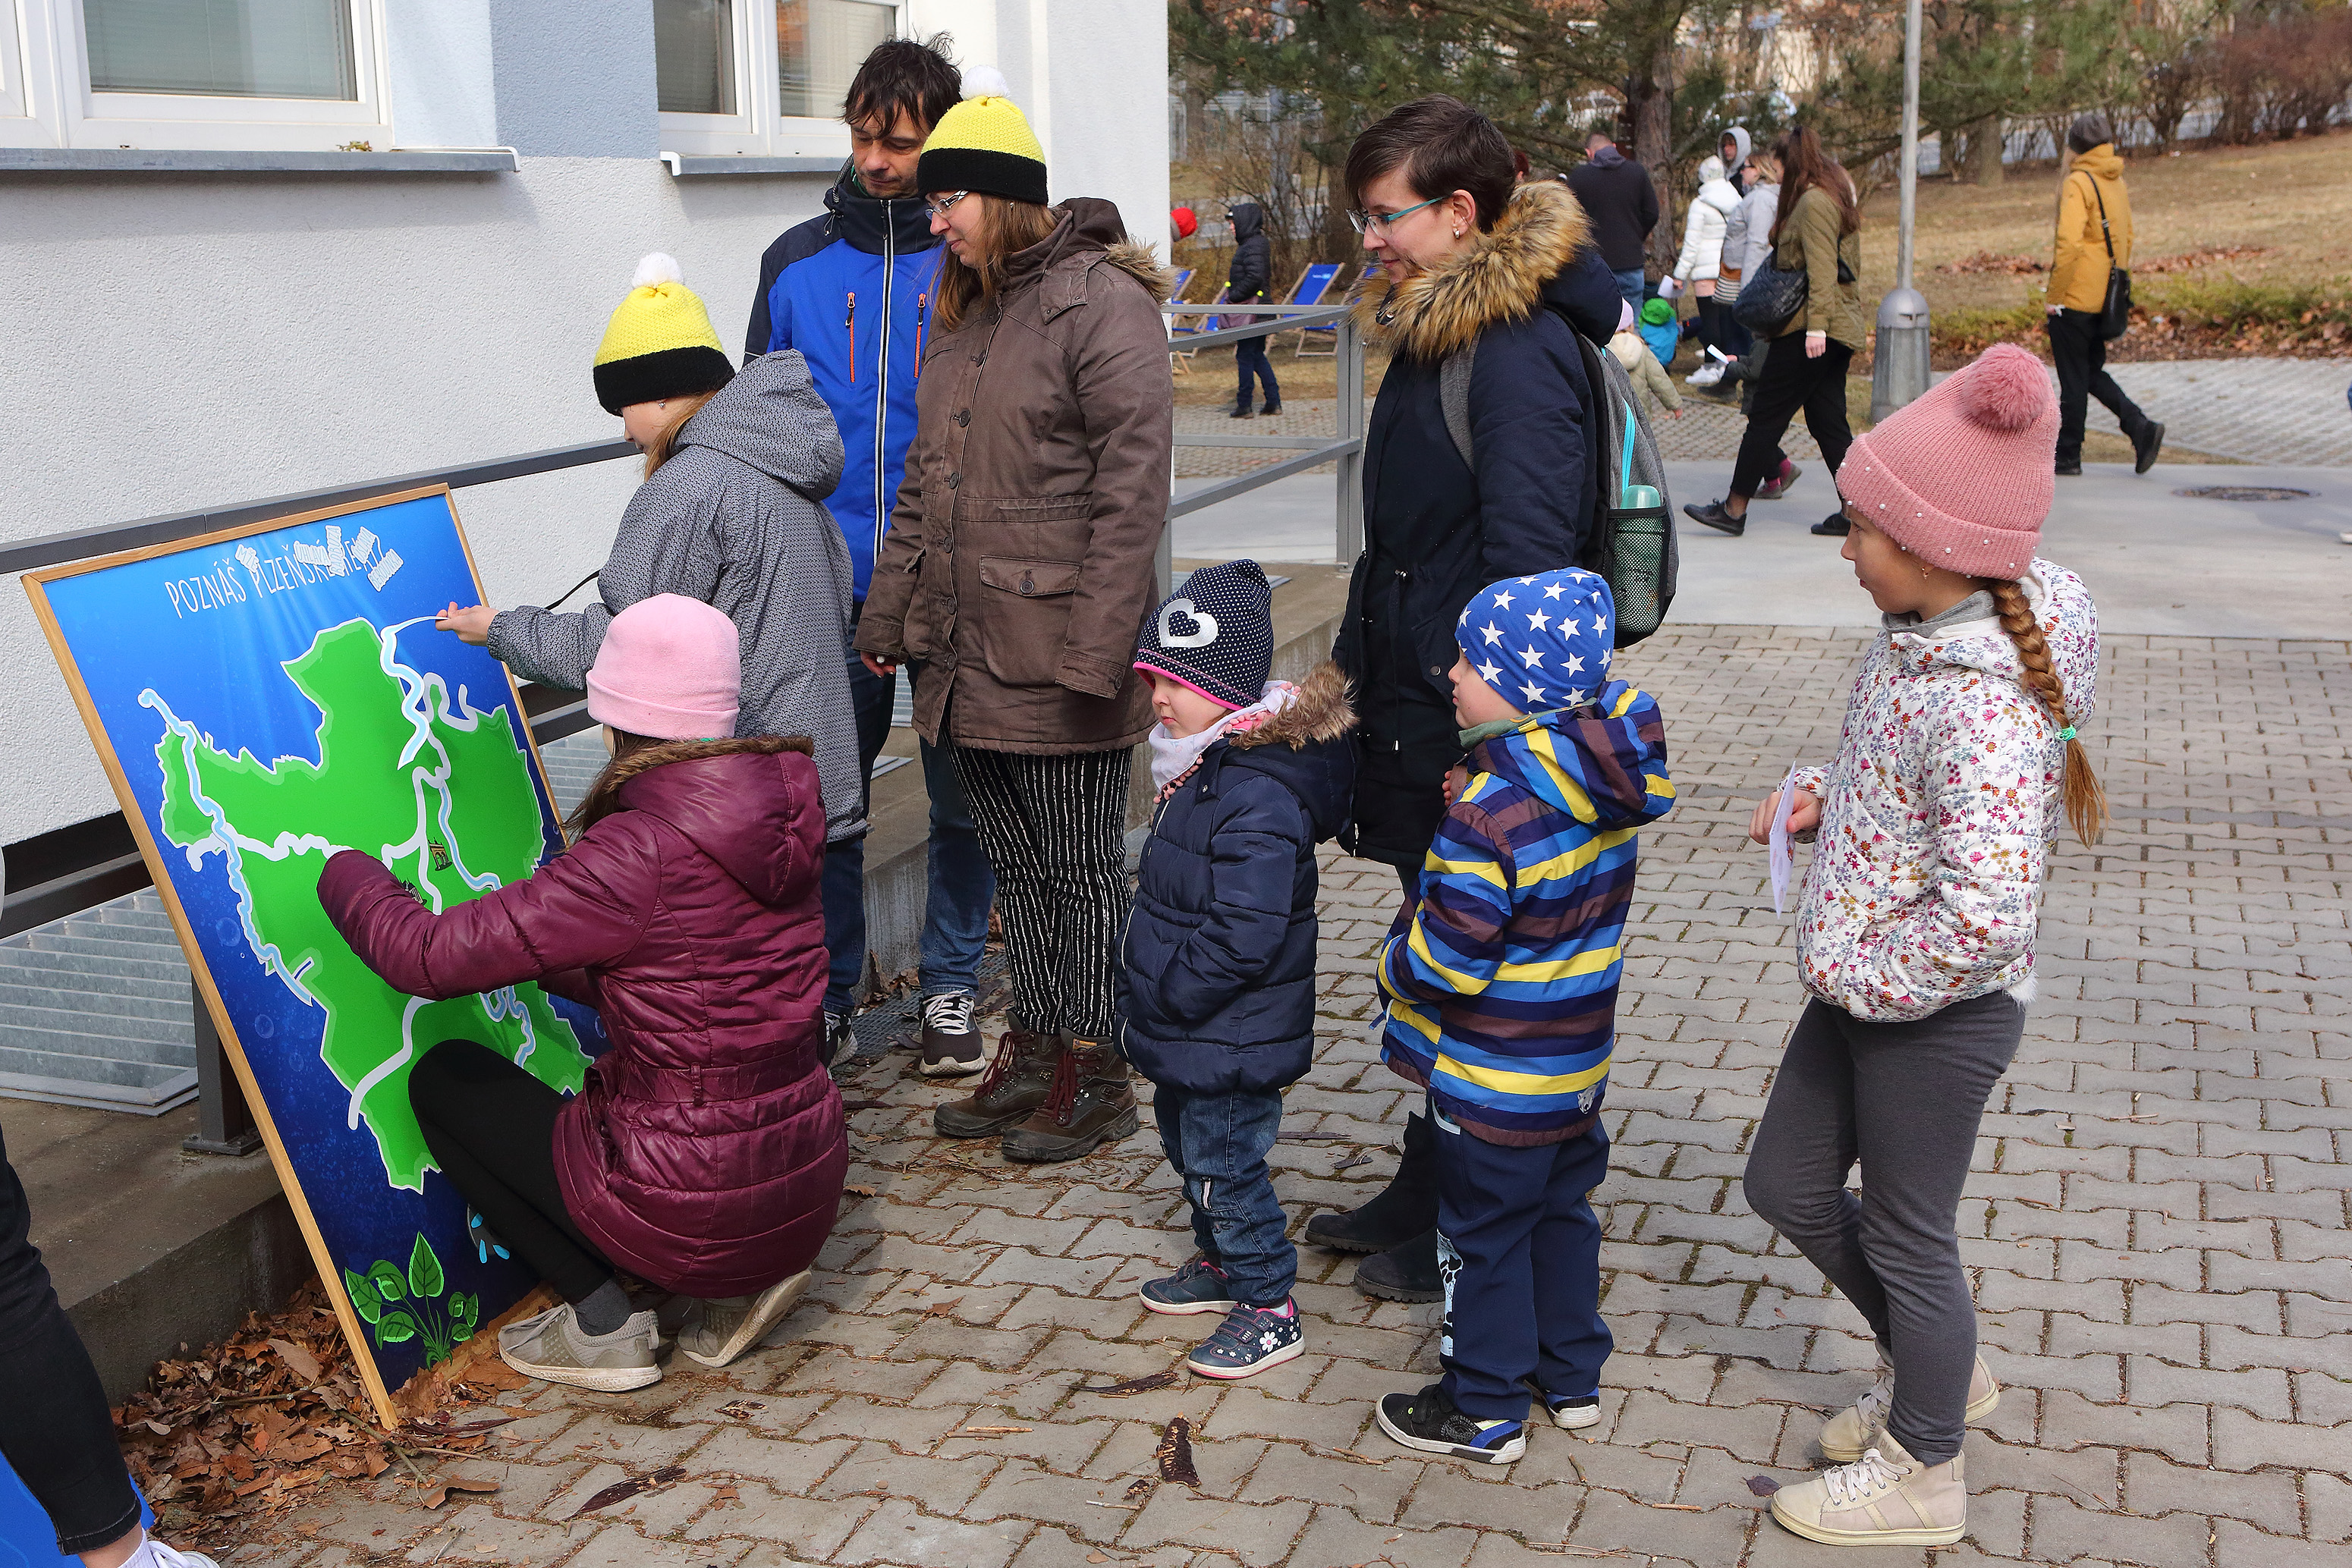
(1435, 532)
(1252, 265)
(1220, 992)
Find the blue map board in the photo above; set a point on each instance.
(262, 699)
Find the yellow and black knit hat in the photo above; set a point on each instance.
(983, 144)
(659, 343)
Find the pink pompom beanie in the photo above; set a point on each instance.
(1962, 477)
(671, 668)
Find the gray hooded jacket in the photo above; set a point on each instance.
(735, 518)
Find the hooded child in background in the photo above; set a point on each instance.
(1660, 330)
(1252, 773)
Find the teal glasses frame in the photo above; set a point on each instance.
(1367, 222)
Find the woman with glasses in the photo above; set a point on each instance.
(1016, 578)
(1479, 292)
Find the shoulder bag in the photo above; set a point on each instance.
(2114, 311)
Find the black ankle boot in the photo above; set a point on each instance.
(1401, 1210)
(1406, 1273)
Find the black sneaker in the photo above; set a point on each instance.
(2072, 468)
(2145, 449)
(1275, 407)
(1715, 515)
(951, 1046)
(1834, 525)
(1429, 1422)
(1572, 1412)
(1239, 410)
(1406, 1273)
(840, 1040)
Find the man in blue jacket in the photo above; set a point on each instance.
(852, 291)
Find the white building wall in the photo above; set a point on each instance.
(204, 338)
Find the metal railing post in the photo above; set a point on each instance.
(223, 1120)
(1349, 539)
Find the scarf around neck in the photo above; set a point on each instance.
(1174, 757)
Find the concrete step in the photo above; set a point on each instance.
(158, 970)
(167, 1091)
(49, 969)
(59, 939)
(128, 913)
(112, 1022)
(51, 1055)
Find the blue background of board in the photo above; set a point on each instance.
(218, 670)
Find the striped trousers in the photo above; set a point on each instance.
(1053, 828)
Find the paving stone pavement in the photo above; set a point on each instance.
(2291, 412)
(2158, 1228)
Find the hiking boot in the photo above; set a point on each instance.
(730, 1325)
(1406, 1273)
(1270, 410)
(1886, 1498)
(1091, 1104)
(1017, 1082)
(1250, 1340)
(1198, 1287)
(1852, 1431)
(2144, 450)
(1716, 515)
(552, 1348)
(951, 1046)
(1772, 489)
(1833, 527)
(1240, 410)
(1429, 1421)
(1401, 1210)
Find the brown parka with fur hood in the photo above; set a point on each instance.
(1018, 566)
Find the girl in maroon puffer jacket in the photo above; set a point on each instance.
(706, 1153)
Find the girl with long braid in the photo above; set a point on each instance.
(1915, 930)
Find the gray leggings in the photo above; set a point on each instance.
(1905, 1099)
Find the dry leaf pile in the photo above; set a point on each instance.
(224, 1440)
(1989, 261)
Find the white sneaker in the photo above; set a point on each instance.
(1852, 1431)
(1707, 375)
(154, 1554)
(1886, 1498)
(552, 1348)
(730, 1325)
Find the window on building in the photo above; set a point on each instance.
(694, 55)
(201, 75)
(820, 44)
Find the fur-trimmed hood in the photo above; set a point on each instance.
(1500, 278)
(1321, 712)
(1091, 234)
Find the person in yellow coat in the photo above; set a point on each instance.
(2078, 290)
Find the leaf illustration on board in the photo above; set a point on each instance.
(425, 1280)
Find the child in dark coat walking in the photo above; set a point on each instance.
(1253, 774)
(1502, 981)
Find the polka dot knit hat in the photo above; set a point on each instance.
(1215, 634)
(1542, 641)
(1962, 477)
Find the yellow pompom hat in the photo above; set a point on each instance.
(983, 144)
(659, 343)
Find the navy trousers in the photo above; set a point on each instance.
(1519, 1249)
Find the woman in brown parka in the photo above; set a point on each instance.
(1016, 578)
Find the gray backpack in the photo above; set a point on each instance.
(1632, 547)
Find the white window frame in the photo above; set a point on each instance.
(761, 128)
(52, 104)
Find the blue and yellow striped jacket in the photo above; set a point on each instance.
(1503, 982)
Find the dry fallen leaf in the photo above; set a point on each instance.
(305, 1365)
(1174, 1453)
(1762, 1486)
(941, 1309)
(1140, 1487)
(859, 1188)
(440, 1494)
(668, 1475)
(1144, 1384)
(740, 1408)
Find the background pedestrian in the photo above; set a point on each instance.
(1700, 264)
(1621, 200)
(1246, 283)
(2094, 238)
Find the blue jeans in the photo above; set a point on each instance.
(1630, 284)
(1519, 1249)
(960, 887)
(1249, 357)
(1218, 1144)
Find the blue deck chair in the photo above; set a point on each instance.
(1334, 290)
(1180, 360)
(1312, 286)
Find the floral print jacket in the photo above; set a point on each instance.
(1936, 817)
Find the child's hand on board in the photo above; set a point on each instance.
(1457, 779)
(471, 624)
(1803, 817)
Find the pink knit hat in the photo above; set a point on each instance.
(1962, 477)
(671, 668)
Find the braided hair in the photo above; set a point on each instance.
(2086, 802)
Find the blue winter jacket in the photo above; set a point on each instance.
(852, 291)
(1220, 986)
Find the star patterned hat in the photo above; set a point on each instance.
(1542, 641)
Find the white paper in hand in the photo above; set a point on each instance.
(1781, 859)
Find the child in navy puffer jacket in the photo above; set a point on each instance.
(1219, 1001)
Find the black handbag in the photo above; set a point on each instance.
(2114, 311)
(1769, 300)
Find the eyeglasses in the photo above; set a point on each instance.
(938, 208)
(1367, 222)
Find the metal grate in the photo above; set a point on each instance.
(97, 1009)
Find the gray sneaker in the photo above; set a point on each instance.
(730, 1325)
(551, 1347)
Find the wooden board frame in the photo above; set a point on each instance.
(388, 1412)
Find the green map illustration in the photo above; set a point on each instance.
(442, 796)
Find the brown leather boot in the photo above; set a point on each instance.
(1092, 1103)
(1016, 1083)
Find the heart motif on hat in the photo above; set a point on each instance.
(1183, 624)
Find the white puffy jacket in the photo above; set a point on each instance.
(1936, 817)
(1704, 226)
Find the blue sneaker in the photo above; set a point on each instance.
(1198, 1287)
(1430, 1422)
(1250, 1340)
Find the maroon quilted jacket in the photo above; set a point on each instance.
(706, 1154)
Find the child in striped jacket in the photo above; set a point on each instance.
(1502, 982)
